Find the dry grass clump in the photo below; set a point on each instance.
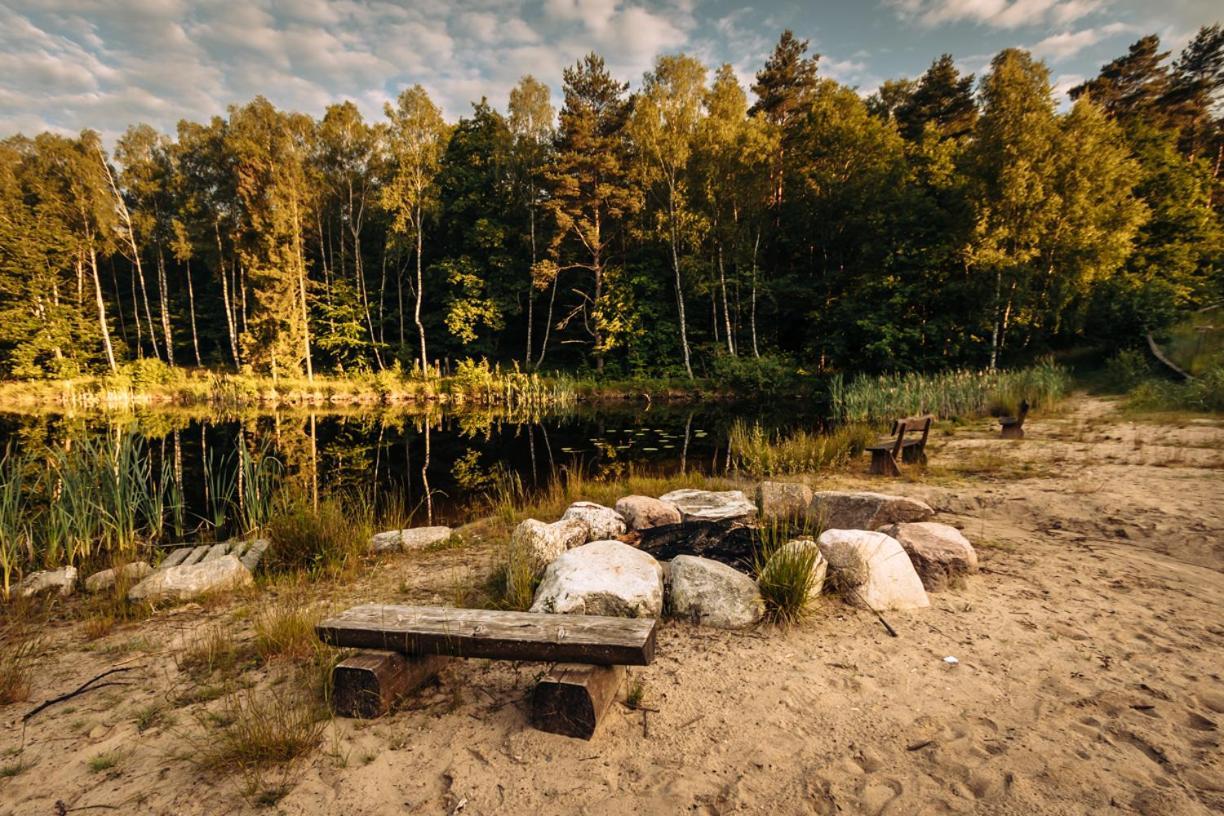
(787, 571)
(17, 651)
(208, 650)
(317, 538)
(255, 729)
(286, 629)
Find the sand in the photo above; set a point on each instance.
(1089, 676)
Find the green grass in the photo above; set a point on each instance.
(1203, 394)
(285, 629)
(760, 454)
(104, 761)
(786, 573)
(316, 538)
(255, 729)
(949, 394)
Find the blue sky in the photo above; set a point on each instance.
(70, 64)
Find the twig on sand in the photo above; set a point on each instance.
(887, 627)
(88, 685)
(645, 725)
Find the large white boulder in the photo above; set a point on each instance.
(713, 594)
(534, 545)
(188, 581)
(62, 580)
(107, 577)
(604, 522)
(799, 551)
(602, 578)
(711, 505)
(876, 568)
(940, 553)
(415, 538)
(783, 501)
(851, 510)
(644, 512)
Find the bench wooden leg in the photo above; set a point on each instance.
(367, 684)
(572, 698)
(913, 455)
(883, 463)
(1013, 432)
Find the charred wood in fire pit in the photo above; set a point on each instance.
(731, 542)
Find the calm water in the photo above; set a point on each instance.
(449, 458)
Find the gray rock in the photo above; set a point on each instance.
(195, 556)
(605, 523)
(711, 505)
(534, 545)
(62, 580)
(176, 557)
(791, 551)
(783, 501)
(644, 512)
(187, 581)
(938, 552)
(415, 538)
(250, 558)
(849, 510)
(238, 548)
(602, 578)
(876, 566)
(713, 594)
(107, 577)
(215, 552)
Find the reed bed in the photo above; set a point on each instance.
(948, 395)
(760, 454)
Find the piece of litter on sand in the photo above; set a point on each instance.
(950, 660)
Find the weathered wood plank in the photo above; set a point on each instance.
(572, 699)
(175, 558)
(422, 630)
(366, 685)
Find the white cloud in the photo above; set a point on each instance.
(1067, 44)
(1006, 14)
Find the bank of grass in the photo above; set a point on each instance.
(960, 394)
(760, 454)
(153, 383)
(1203, 394)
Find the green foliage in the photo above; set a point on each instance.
(1127, 369)
(767, 375)
(785, 567)
(1204, 393)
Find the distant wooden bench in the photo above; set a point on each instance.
(1013, 426)
(415, 641)
(906, 443)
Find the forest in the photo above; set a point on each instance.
(689, 228)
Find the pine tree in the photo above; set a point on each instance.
(941, 97)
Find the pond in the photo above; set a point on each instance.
(433, 464)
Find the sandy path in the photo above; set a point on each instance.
(1089, 680)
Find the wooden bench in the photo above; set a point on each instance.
(1013, 426)
(901, 445)
(414, 642)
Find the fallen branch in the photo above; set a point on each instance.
(88, 685)
(887, 627)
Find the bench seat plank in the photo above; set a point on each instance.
(432, 630)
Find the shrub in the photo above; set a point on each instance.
(1203, 393)
(17, 652)
(303, 537)
(1127, 369)
(770, 374)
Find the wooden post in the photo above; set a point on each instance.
(572, 698)
(365, 685)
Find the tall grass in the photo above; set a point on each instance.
(759, 453)
(949, 394)
(1205, 393)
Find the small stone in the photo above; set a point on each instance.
(644, 512)
(783, 501)
(63, 580)
(876, 567)
(250, 559)
(604, 522)
(939, 553)
(602, 578)
(862, 510)
(711, 505)
(107, 577)
(713, 594)
(414, 538)
(215, 552)
(188, 581)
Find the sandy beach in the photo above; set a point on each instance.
(1089, 652)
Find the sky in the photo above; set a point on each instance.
(66, 65)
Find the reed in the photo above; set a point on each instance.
(947, 395)
(759, 454)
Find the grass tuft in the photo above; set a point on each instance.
(316, 539)
(17, 651)
(787, 569)
(256, 729)
(286, 630)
